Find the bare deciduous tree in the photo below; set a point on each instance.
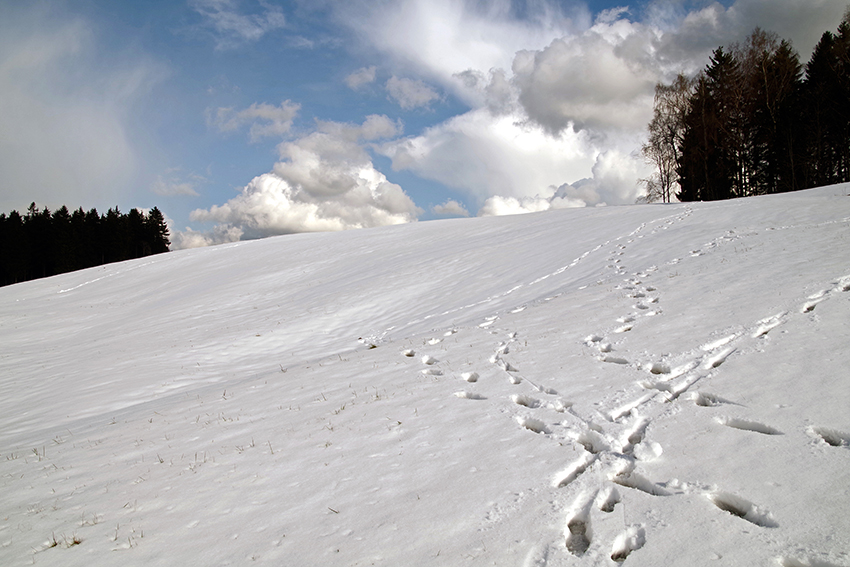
(665, 136)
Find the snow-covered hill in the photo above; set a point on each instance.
(658, 384)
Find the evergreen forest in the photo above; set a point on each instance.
(755, 121)
(41, 243)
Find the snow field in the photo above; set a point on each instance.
(259, 403)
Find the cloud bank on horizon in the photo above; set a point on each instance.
(438, 107)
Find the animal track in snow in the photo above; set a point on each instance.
(744, 509)
(428, 359)
(614, 359)
(745, 425)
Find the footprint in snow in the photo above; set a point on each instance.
(526, 401)
(742, 508)
(831, 437)
(532, 424)
(767, 325)
(810, 305)
(632, 539)
(607, 499)
(704, 399)
(577, 534)
(745, 425)
(574, 470)
(470, 376)
(469, 395)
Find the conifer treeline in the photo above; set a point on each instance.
(754, 122)
(40, 243)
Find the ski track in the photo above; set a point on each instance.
(611, 449)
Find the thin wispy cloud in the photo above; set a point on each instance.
(265, 120)
(231, 27)
(173, 183)
(411, 93)
(361, 77)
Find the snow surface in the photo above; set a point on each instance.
(655, 385)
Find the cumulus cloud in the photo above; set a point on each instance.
(450, 208)
(65, 129)
(613, 182)
(221, 234)
(596, 80)
(324, 181)
(266, 120)
(440, 38)
(410, 93)
(232, 28)
(360, 77)
(556, 96)
(484, 155)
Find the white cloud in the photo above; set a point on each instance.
(450, 208)
(599, 79)
(65, 119)
(613, 182)
(266, 120)
(485, 155)
(410, 93)
(499, 206)
(361, 77)
(325, 181)
(221, 234)
(232, 28)
(438, 39)
(556, 96)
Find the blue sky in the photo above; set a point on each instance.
(247, 118)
